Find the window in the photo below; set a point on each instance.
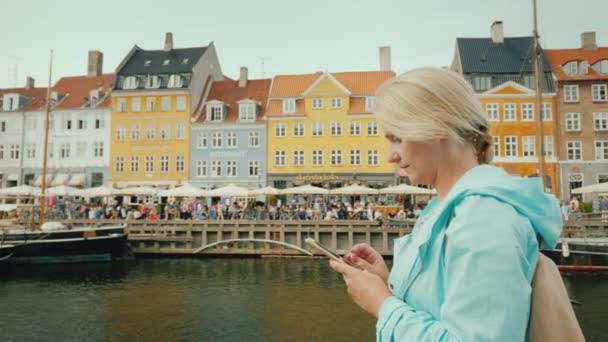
(175, 81)
(317, 103)
(372, 157)
(370, 103)
(135, 132)
(317, 129)
(15, 149)
(317, 157)
(164, 132)
(180, 131)
(289, 106)
(150, 132)
(81, 149)
(601, 67)
(492, 111)
(216, 140)
(165, 103)
(298, 129)
(68, 125)
(336, 102)
(130, 82)
(3, 126)
(247, 112)
(548, 146)
(510, 114)
(120, 133)
(98, 149)
(30, 151)
(202, 140)
(121, 104)
(153, 81)
(574, 151)
(64, 150)
(571, 93)
(180, 103)
(164, 163)
(100, 122)
(149, 164)
(529, 81)
(372, 128)
(496, 146)
(573, 122)
(120, 164)
(528, 146)
(601, 150)
(254, 139)
(1, 151)
(231, 168)
(30, 123)
(279, 158)
(570, 68)
(179, 163)
(166, 62)
(600, 121)
(216, 168)
(545, 111)
(598, 92)
(355, 128)
(355, 157)
(527, 112)
(336, 128)
(215, 112)
(134, 164)
(254, 168)
(511, 146)
(336, 157)
(231, 140)
(50, 150)
(298, 158)
(279, 130)
(482, 83)
(150, 104)
(82, 124)
(135, 104)
(201, 168)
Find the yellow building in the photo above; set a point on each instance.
(155, 94)
(321, 131)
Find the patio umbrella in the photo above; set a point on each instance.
(100, 191)
(404, 189)
(305, 190)
(138, 191)
(21, 190)
(594, 188)
(265, 191)
(229, 190)
(183, 191)
(354, 190)
(64, 190)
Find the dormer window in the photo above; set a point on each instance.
(130, 82)
(185, 61)
(482, 83)
(153, 82)
(247, 111)
(215, 111)
(54, 99)
(175, 81)
(571, 68)
(370, 102)
(166, 62)
(601, 67)
(147, 63)
(10, 102)
(289, 106)
(94, 98)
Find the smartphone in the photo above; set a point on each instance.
(330, 253)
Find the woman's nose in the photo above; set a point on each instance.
(393, 157)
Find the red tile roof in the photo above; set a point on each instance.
(37, 95)
(559, 57)
(77, 90)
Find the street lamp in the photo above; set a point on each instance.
(354, 175)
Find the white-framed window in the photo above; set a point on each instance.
(165, 103)
(510, 112)
(573, 121)
(571, 93)
(216, 140)
(254, 139)
(372, 128)
(179, 163)
(601, 150)
(317, 129)
(372, 158)
(135, 132)
(601, 66)
(298, 158)
(149, 164)
(130, 82)
(201, 168)
(336, 128)
(370, 103)
(336, 102)
(82, 124)
(164, 163)
(202, 140)
(180, 103)
(216, 168)
(598, 93)
(150, 104)
(279, 158)
(492, 111)
(527, 112)
(120, 164)
(134, 164)
(336, 157)
(120, 133)
(600, 121)
(548, 146)
(121, 105)
(153, 82)
(175, 81)
(289, 106)
(528, 146)
(317, 103)
(67, 124)
(231, 168)
(100, 121)
(180, 131)
(546, 111)
(31, 123)
(355, 128)
(164, 132)
(298, 129)
(215, 112)
(496, 146)
(81, 149)
(570, 68)
(2, 152)
(247, 111)
(136, 104)
(30, 151)
(254, 168)
(482, 82)
(529, 81)
(574, 150)
(16, 149)
(150, 132)
(231, 140)
(511, 146)
(279, 130)
(317, 157)
(98, 149)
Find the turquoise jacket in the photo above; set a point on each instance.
(465, 272)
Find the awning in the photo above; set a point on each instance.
(38, 181)
(13, 177)
(77, 179)
(60, 179)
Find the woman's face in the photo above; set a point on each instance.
(419, 161)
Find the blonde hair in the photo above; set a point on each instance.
(430, 103)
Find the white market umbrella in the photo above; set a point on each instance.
(100, 191)
(139, 191)
(354, 189)
(404, 189)
(229, 190)
(183, 191)
(265, 191)
(64, 190)
(305, 190)
(21, 190)
(594, 188)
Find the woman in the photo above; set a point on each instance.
(465, 272)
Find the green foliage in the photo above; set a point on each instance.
(586, 207)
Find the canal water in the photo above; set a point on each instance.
(215, 299)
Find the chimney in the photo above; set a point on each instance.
(95, 64)
(588, 41)
(243, 78)
(168, 41)
(29, 83)
(496, 32)
(385, 58)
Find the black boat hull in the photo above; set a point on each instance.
(580, 255)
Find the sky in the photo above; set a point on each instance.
(274, 37)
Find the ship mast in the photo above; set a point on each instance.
(538, 102)
(47, 109)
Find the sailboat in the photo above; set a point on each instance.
(54, 242)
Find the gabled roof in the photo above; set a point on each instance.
(179, 61)
(559, 57)
(36, 96)
(77, 89)
(332, 79)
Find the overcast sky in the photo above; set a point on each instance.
(287, 36)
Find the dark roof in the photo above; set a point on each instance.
(180, 61)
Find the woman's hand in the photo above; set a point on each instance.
(368, 259)
(366, 289)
